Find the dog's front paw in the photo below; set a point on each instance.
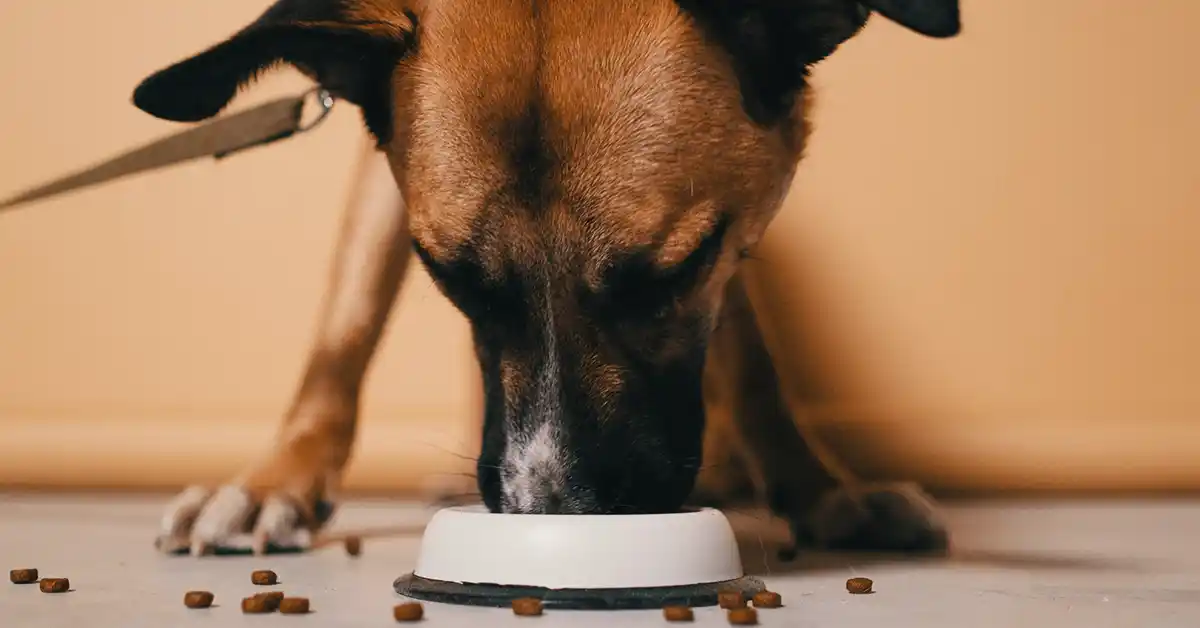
(280, 502)
(874, 518)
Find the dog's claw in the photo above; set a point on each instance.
(227, 513)
(181, 513)
(278, 523)
(200, 521)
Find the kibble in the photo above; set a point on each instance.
(198, 599)
(678, 613)
(54, 585)
(293, 605)
(859, 586)
(767, 599)
(731, 599)
(255, 604)
(271, 599)
(744, 616)
(527, 606)
(353, 545)
(409, 611)
(23, 576)
(264, 577)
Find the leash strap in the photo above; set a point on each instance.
(267, 123)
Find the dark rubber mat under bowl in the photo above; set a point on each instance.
(497, 595)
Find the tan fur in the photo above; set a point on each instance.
(643, 144)
(448, 178)
(647, 51)
(371, 260)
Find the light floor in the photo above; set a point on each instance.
(1016, 565)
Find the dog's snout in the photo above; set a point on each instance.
(572, 456)
(547, 498)
(536, 474)
(588, 411)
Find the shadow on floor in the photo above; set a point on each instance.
(761, 538)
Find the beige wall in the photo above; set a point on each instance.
(169, 314)
(993, 249)
(990, 263)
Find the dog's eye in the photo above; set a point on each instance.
(703, 256)
(638, 287)
(460, 281)
(463, 282)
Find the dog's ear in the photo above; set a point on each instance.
(822, 25)
(804, 32)
(774, 43)
(932, 18)
(350, 47)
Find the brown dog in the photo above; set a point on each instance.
(581, 179)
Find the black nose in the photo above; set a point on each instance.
(550, 498)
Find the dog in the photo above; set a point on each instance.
(582, 180)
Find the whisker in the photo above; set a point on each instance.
(456, 499)
(451, 474)
(456, 454)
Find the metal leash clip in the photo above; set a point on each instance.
(324, 102)
(219, 138)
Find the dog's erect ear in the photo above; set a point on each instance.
(825, 24)
(933, 18)
(350, 47)
(803, 32)
(774, 43)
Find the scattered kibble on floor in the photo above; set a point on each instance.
(271, 599)
(293, 605)
(23, 576)
(254, 605)
(527, 606)
(731, 599)
(409, 611)
(264, 577)
(353, 545)
(744, 616)
(739, 614)
(767, 599)
(54, 585)
(198, 599)
(859, 586)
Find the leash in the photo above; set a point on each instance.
(227, 135)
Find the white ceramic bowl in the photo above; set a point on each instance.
(470, 545)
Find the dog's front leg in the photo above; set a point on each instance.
(292, 489)
(744, 401)
(803, 481)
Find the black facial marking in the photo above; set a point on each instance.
(638, 452)
(494, 305)
(634, 447)
(635, 287)
(487, 467)
(531, 157)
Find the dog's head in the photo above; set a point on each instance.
(582, 177)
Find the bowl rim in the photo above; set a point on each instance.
(471, 545)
